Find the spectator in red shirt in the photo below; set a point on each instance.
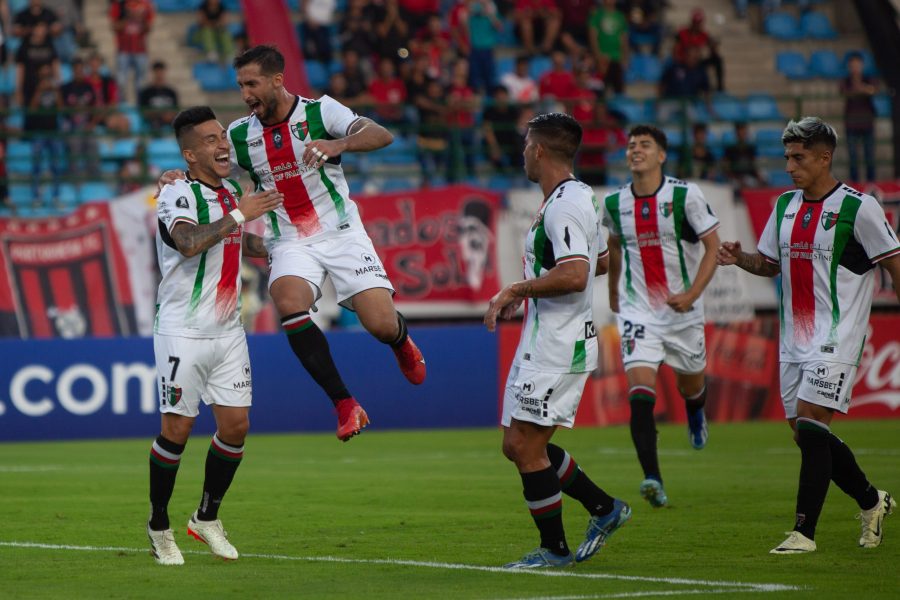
(131, 22)
(388, 94)
(106, 93)
(434, 42)
(391, 32)
(543, 15)
(601, 135)
(585, 95)
(695, 36)
(461, 105)
(574, 31)
(558, 83)
(417, 12)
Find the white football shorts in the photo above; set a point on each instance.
(682, 347)
(542, 398)
(349, 258)
(214, 370)
(827, 384)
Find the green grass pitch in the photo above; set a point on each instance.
(430, 514)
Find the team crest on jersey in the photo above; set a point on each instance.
(182, 202)
(830, 219)
(645, 210)
(807, 217)
(277, 140)
(628, 346)
(538, 219)
(300, 130)
(665, 209)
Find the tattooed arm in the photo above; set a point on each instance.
(730, 253)
(564, 278)
(253, 246)
(191, 240)
(364, 135)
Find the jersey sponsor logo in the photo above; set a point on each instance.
(277, 139)
(665, 209)
(300, 130)
(372, 265)
(830, 219)
(807, 217)
(246, 370)
(821, 370)
(182, 202)
(255, 143)
(789, 216)
(528, 387)
(645, 210)
(827, 349)
(589, 330)
(242, 385)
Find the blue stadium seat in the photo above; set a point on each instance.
(65, 72)
(815, 25)
(93, 191)
(782, 26)
(164, 153)
(882, 105)
(768, 143)
(20, 194)
(173, 6)
(728, 108)
(18, 157)
(317, 74)
(778, 178)
(826, 64)
(674, 137)
(762, 107)
(633, 110)
(506, 64)
(192, 36)
(539, 66)
(643, 67)
(792, 65)
(118, 149)
(8, 79)
(508, 35)
(215, 78)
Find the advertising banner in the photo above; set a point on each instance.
(439, 246)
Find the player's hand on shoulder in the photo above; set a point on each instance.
(728, 253)
(167, 177)
(259, 203)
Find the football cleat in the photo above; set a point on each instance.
(871, 520)
(652, 491)
(796, 543)
(212, 534)
(600, 528)
(541, 558)
(163, 547)
(698, 432)
(351, 418)
(411, 361)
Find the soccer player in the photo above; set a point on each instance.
(825, 239)
(294, 145)
(198, 339)
(657, 274)
(558, 347)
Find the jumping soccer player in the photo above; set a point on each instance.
(824, 239)
(198, 339)
(657, 225)
(558, 347)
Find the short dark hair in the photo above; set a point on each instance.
(558, 132)
(185, 121)
(269, 59)
(810, 131)
(158, 65)
(658, 135)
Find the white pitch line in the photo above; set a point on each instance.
(644, 594)
(761, 587)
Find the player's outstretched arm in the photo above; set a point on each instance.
(730, 253)
(615, 271)
(194, 239)
(602, 265)
(564, 278)
(364, 135)
(892, 266)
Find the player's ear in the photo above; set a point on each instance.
(189, 156)
(278, 80)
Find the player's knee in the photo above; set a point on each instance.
(235, 433)
(511, 450)
(384, 328)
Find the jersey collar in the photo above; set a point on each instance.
(287, 117)
(214, 188)
(655, 192)
(566, 180)
(822, 199)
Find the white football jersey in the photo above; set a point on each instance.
(661, 250)
(198, 296)
(316, 201)
(558, 334)
(827, 250)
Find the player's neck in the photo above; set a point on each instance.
(207, 178)
(553, 176)
(646, 184)
(820, 188)
(285, 104)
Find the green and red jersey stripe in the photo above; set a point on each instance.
(647, 231)
(803, 300)
(282, 159)
(226, 290)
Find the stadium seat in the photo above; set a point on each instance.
(164, 153)
(317, 74)
(65, 72)
(192, 37)
(174, 6)
(762, 107)
(826, 64)
(8, 79)
(539, 66)
(118, 149)
(20, 194)
(215, 78)
(792, 65)
(93, 191)
(728, 108)
(643, 67)
(506, 64)
(778, 178)
(882, 105)
(18, 157)
(782, 26)
(815, 25)
(633, 110)
(768, 143)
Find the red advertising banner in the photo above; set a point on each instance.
(742, 375)
(64, 277)
(437, 245)
(761, 202)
